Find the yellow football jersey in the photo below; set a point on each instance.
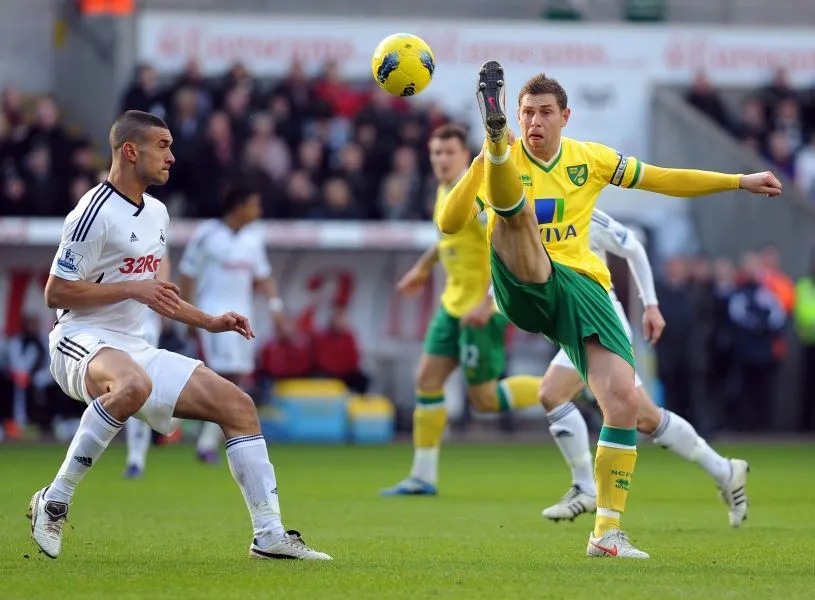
(563, 194)
(466, 262)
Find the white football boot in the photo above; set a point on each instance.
(613, 543)
(47, 519)
(573, 504)
(734, 493)
(290, 546)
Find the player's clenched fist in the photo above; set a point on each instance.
(161, 296)
(761, 183)
(231, 321)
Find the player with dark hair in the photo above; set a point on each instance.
(103, 279)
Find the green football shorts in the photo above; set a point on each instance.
(568, 309)
(479, 350)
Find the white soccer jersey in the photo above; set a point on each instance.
(607, 235)
(108, 238)
(225, 265)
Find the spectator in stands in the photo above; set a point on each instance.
(36, 396)
(396, 203)
(724, 389)
(673, 364)
(301, 196)
(257, 164)
(774, 279)
(777, 91)
(215, 161)
(751, 127)
(237, 105)
(757, 319)
(144, 93)
(780, 152)
(704, 97)
(338, 202)
(289, 354)
(805, 169)
(701, 343)
(43, 192)
(311, 159)
(14, 201)
(275, 155)
(293, 96)
(336, 353)
(805, 328)
(187, 122)
(350, 168)
(787, 120)
(192, 79)
(342, 99)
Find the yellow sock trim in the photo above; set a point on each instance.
(613, 470)
(518, 392)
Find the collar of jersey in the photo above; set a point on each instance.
(546, 168)
(139, 207)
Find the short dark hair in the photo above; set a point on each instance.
(131, 126)
(541, 84)
(235, 195)
(450, 131)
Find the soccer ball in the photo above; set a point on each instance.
(403, 64)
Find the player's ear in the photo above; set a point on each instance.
(129, 151)
(564, 116)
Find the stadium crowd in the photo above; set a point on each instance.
(777, 122)
(318, 147)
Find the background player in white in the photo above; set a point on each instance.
(102, 280)
(222, 265)
(561, 383)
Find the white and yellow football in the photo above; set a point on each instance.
(403, 64)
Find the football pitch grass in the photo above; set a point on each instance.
(183, 532)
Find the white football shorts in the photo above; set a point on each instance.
(73, 349)
(227, 353)
(561, 360)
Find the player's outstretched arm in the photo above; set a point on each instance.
(461, 204)
(691, 182)
(83, 295)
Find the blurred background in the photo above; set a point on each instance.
(281, 95)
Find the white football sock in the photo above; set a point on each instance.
(96, 430)
(210, 437)
(679, 436)
(249, 463)
(568, 428)
(426, 465)
(138, 435)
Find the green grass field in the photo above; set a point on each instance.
(183, 532)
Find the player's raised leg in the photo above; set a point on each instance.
(120, 387)
(138, 435)
(674, 433)
(611, 379)
(568, 428)
(429, 419)
(209, 397)
(504, 188)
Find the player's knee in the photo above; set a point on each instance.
(483, 403)
(134, 391)
(549, 397)
(427, 381)
(648, 417)
(242, 416)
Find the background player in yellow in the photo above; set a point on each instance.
(542, 190)
(467, 329)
